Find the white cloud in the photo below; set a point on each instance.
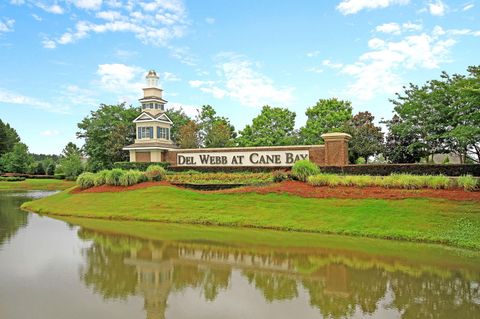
(54, 8)
(37, 17)
(397, 29)
(88, 4)
(354, 6)
(190, 110)
(50, 133)
(313, 54)
(170, 77)
(331, 64)
(121, 78)
(468, 7)
(9, 97)
(6, 25)
(380, 69)
(315, 69)
(437, 8)
(393, 28)
(183, 54)
(240, 80)
(109, 15)
(153, 22)
(210, 20)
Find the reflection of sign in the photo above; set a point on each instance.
(249, 158)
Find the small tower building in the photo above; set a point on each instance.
(152, 125)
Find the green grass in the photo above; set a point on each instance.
(429, 220)
(37, 184)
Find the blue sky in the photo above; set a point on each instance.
(60, 59)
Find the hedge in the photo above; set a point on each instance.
(28, 175)
(141, 166)
(414, 169)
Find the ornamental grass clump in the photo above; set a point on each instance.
(155, 173)
(100, 177)
(467, 182)
(280, 176)
(132, 177)
(438, 182)
(301, 170)
(86, 180)
(114, 177)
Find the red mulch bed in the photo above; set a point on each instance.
(305, 190)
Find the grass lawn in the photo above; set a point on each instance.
(37, 184)
(430, 220)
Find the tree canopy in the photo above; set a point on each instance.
(106, 131)
(367, 139)
(215, 131)
(179, 119)
(274, 126)
(8, 138)
(328, 115)
(442, 115)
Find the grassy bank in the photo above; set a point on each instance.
(429, 220)
(37, 184)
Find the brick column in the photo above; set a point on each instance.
(336, 148)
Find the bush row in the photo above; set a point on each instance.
(141, 166)
(28, 176)
(11, 178)
(120, 177)
(195, 177)
(414, 169)
(407, 181)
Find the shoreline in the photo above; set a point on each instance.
(438, 221)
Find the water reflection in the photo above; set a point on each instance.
(11, 217)
(338, 283)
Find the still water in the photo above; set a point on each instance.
(56, 269)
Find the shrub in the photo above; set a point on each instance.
(467, 182)
(86, 180)
(155, 173)
(132, 177)
(101, 177)
(141, 166)
(280, 176)
(301, 170)
(12, 179)
(114, 177)
(438, 182)
(361, 161)
(59, 176)
(414, 169)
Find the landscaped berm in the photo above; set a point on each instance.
(435, 209)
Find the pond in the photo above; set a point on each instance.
(76, 268)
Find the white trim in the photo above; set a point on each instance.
(168, 120)
(141, 114)
(139, 148)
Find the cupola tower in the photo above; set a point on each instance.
(152, 101)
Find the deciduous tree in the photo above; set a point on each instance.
(179, 119)
(367, 139)
(189, 135)
(274, 126)
(106, 131)
(328, 115)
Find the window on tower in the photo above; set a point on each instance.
(145, 132)
(163, 132)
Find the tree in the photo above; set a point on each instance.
(16, 161)
(326, 116)
(215, 131)
(106, 131)
(179, 119)
(189, 135)
(274, 126)
(71, 161)
(367, 139)
(400, 144)
(8, 138)
(442, 115)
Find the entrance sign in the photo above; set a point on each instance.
(246, 158)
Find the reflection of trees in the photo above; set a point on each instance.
(105, 270)
(338, 284)
(433, 297)
(274, 286)
(11, 217)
